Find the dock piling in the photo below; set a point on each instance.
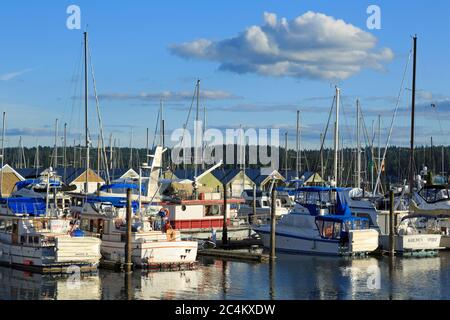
(128, 250)
(225, 227)
(391, 224)
(272, 224)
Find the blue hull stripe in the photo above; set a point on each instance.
(298, 237)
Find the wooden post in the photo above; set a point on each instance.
(391, 224)
(128, 249)
(225, 227)
(254, 203)
(272, 224)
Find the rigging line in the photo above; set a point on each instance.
(393, 119)
(156, 128)
(324, 137)
(75, 80)
(185, 125)
(99, 117)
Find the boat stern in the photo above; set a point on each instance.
(363, 241)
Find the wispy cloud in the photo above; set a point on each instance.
(168, 96)
(12, 75)
(312, 45)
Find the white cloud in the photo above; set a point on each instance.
(312, 45)
(12, 75)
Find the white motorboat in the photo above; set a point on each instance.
(150, 248)
(32, 238)
(321, 223)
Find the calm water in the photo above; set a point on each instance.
(291, 277)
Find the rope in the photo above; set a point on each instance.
(393, 120)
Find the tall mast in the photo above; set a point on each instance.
(55, 158)
(379, 151)
(3, 154)
(358, 145)
(297, 162)
(65, 151)
(336, 137)
(413, 106)
(86, 99)
(286, 154)
(196, 151)
(322, 171)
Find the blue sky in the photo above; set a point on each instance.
(139, 52)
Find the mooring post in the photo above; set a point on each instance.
(225, 227)
(272, 224)
(128, 250)
(254, 203)
(391, 224)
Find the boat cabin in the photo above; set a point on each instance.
(338, 227)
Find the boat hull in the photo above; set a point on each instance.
(152, 253)
(67, 253)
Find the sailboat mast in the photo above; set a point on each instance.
(196, 151)
(358, 145)
(336, 137)
(65, 151)
(413, 106)
(3, 154)
(86, 100)
(297, 162)
(55, 158)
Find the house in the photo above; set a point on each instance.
(236, 181)
(308, 178)
(208, 180)
(9, 177)
(77, 177)
(263, 179)
(122, 174)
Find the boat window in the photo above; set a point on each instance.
(2, 225)
(320, 226)
(265, 203)
(23, 239)
(325, 197)
(9, 226)
(337, 230)
(36, 240)
(213, 210)
(328, 229)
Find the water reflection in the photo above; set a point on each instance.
(289, 277)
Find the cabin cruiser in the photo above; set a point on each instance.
(407, 239)
(35, 238)
(321, 223)
(151, 247)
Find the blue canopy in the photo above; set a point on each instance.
(23, 184)
(31, 206)
(117, 202)
(119, 186)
